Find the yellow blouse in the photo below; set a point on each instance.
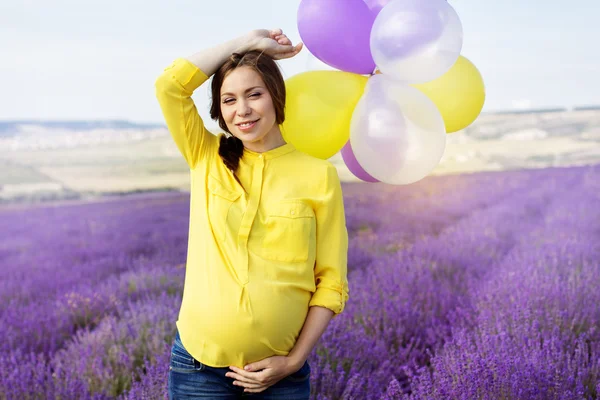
(256, 260)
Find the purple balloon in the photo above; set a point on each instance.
(376, 5)
(338, 32)
(353, 165)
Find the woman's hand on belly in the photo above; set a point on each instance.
(260, 375)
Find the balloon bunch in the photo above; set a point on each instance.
(400, 86)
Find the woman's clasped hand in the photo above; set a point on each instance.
(257, 377)
(274, 43)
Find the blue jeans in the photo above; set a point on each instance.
(190, 379)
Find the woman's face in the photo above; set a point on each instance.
(246, 105)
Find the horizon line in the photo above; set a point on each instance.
(138, 122)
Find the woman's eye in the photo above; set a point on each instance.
(227, 101)
(255, 95)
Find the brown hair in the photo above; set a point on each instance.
(231, 148)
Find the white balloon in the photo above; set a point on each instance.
(397, 134)
(416, 41)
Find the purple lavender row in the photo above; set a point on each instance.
(57, 283)
(100, 363)
(46, 250)
(42, 327)
(405, 304)
(536, 334)
(396, 216)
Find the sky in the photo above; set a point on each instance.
(94, 60)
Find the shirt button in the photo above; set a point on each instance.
(260, 156)
(292, 212)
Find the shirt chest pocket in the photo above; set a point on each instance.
(221, 213)
(289, 228)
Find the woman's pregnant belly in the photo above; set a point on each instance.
(225, 323)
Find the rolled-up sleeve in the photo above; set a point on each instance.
(174, 88)
(331, 265)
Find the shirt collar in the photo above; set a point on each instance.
(268, 155)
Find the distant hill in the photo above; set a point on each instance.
(543, 110)
(14, 127)
(586, 108)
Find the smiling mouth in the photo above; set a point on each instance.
(246, 125)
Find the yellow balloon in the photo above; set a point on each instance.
(319, 107)
(459, 94)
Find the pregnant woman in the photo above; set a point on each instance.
(267, 248)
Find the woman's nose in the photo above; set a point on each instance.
(243, 109)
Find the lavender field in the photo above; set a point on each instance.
(479, 286)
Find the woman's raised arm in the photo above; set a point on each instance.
(272, 42)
